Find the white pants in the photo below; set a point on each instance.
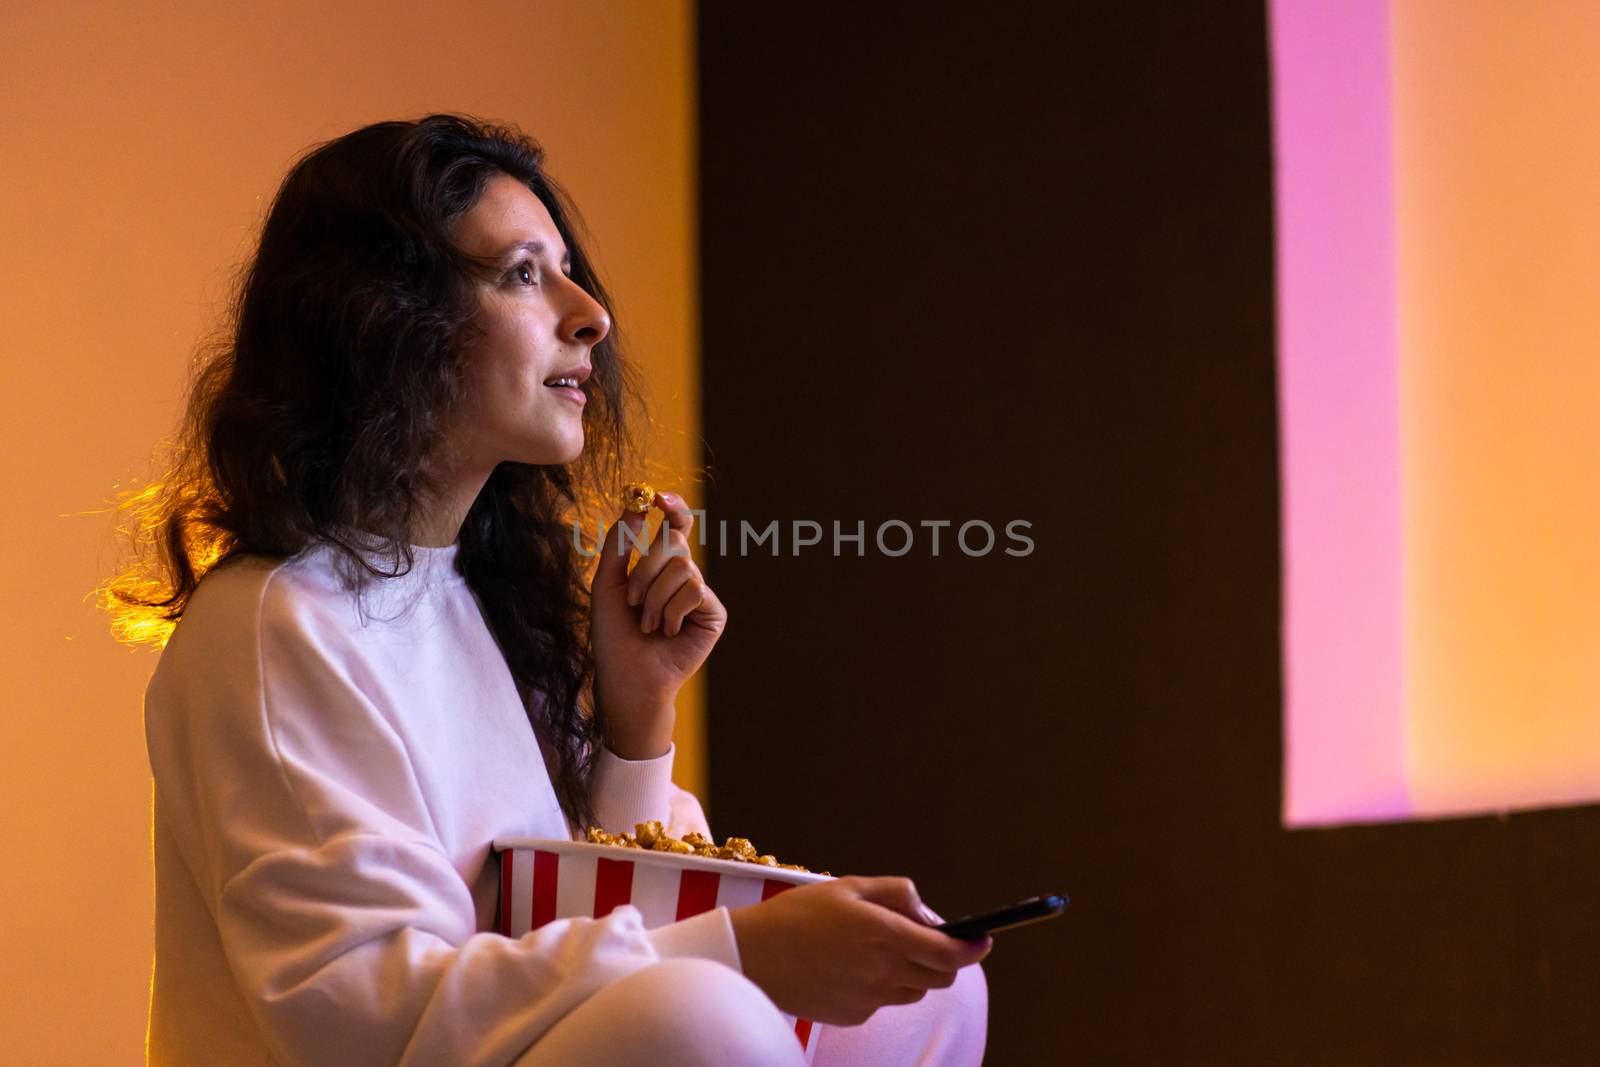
(663, 1016)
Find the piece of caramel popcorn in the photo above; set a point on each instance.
(638, 497)
(740, 847)
(702, 845)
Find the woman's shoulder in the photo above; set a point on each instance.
(248, 616)
(247, 594)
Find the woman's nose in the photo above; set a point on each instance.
(587, 321)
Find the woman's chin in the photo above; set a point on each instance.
(554, 453)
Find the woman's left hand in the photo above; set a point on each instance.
(651, 629)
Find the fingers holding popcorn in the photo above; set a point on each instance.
(665, 583)
(671, 541)
(639, 663)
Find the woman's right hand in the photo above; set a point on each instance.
(837, 951)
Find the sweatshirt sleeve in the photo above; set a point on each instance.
(346, 927)
(629, 792)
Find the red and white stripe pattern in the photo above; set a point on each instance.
(537, 886)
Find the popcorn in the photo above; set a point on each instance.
(653, 836)
(638, 497)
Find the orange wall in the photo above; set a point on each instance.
(141, 144)
(1497, 134)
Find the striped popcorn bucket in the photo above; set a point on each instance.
(541, 880)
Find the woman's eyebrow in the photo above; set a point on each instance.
(535, 248)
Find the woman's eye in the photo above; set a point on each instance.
(524, 269)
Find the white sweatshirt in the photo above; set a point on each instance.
(328, 777)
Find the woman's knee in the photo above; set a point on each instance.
(949, 1027)
(963, 1027)
(699, 1012)
(969, 998)
(972, 991)
(954, 1021)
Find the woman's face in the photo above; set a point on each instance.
(523, 399)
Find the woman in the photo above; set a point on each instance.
(386, 655)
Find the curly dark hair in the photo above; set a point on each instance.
(337, 370)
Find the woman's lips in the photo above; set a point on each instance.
(577, 396)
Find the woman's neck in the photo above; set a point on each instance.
(455, 487)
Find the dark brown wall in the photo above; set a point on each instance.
(1018, 264)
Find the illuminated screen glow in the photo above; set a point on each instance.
(1439, 404)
